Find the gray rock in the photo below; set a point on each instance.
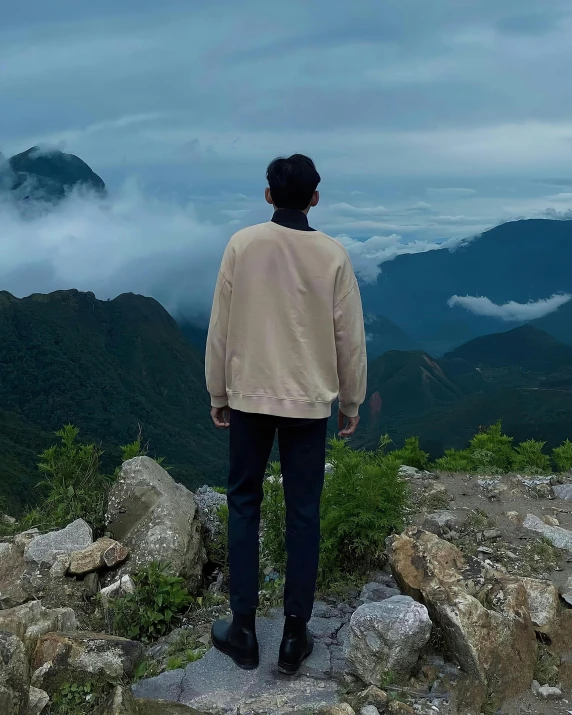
(208, 504)
(7, 520)
(375, 592)
(322, 610)
(156, 519)
(369, 710)
(387, 637)
(324, 628)
(563, 491)
(44, 549)
(31, 621)
(546, 692)
(83, 657)
(215, 685)
(38, 701)
(14, 675)
(120, 702)
(340, 665)
(12, 593)
(443, 519)
(559, 537)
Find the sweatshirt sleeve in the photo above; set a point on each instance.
(215, 360)
(350, 344)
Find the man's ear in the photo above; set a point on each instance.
(315, 199)
(268, 196)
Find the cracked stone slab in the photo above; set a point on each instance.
(215, 685)
(325, 627)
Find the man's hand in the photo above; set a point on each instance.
(347, 425)
(221, 417)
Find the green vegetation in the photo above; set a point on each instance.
(362, 503)
(154, 608)
(547, 667)
(79, 698)
(562, 456)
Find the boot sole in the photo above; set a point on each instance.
(243, 664)
(292, 669)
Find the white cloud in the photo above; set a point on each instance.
(128, 243)
(345, 208)
(511, 311)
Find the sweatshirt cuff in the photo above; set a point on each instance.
(219, 401)
(350, 410)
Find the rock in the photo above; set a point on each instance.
(322, 610)
(329, 468)
(208, 504)
(562, 491)
(543, 604)
(14, 675)
(120, 702)
(83, 657)
(6, 520)
(215, 685)
(546, 692)
(38, 701)
(325, 628)
(441, 520)
(398, 708)
(12, 592)
(387, 637)
(369, 710)
(559, 537)
(117, 589)
(491, 534)
(550, 520)
(374, 592)
(514, 516)
(157, 519)
(341, 709)
(482, 613)
(31, 621)
(373, 696)
(22, 539)
(103, 553)
(45, 548)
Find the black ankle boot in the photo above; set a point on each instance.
(237, 640)
(297, 644)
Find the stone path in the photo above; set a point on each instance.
(215, 685)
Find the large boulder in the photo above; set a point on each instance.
(14, 676)
(45, 549)
(157, 520)
(483, 614)
(543, 604)
(387, 638)
(31, 621)
(83, 657)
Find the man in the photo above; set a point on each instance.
(286, 338)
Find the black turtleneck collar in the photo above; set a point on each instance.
(292, 218)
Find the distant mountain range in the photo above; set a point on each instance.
(107, 367)
(519, 261)
(40, 175)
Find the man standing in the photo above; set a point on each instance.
(286, 339)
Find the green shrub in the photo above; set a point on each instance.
(154, 608)
(491, 451)
(73, 486)
(530, 458)
(411, 454)
(274, 520)
(220, 490)
(454, 461)
(79, 698)
(562, 456)
(363, 502)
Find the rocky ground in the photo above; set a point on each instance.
(470, 613)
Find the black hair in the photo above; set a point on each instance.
(292, 181)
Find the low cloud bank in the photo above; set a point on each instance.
(511, 311)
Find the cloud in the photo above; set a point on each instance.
(511, 311)
(452, 191)
(132, 242)
(345, 208)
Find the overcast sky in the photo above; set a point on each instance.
(428, 119)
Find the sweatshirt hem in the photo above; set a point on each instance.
(279, 407)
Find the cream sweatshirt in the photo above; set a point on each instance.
(286, 335)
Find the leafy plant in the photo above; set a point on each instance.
(530, 458)
(78, 698)
(363, 502)
(411, 454)
(562, 456)
(454, 461)
(154, 608)
(73, 486)
(491, 451)
(219, 490)
(274, 520)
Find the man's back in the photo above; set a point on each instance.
(288, 304)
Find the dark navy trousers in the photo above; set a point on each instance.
(302, 445)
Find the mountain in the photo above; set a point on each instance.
(48, 175)
(526, 348)
(384, 335)
(518, 261)
(107, 367)
(558, 324)
(196, 335)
